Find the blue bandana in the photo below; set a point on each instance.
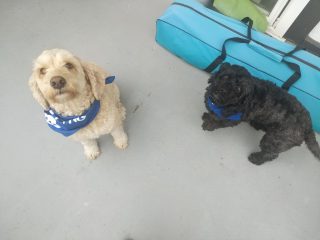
(218, 111)
(70, 124)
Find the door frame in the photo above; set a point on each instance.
(282, 16)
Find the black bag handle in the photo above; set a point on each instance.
(219, 60)
(223, 54)
(248, 21)
(293, 66)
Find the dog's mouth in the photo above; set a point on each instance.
(64, 91)
(214, 99)
(61, 93)
(64, 95)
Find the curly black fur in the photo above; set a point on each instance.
(264, 106)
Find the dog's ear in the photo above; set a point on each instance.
(212, 78)
(36, 92)
(224, 66)
(224, 71)
(241, 71)
(95, 77)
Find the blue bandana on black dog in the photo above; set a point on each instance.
(218, 111)
(71, 124)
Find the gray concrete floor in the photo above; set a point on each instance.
(174, 182)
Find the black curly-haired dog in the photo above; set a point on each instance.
(234, 96)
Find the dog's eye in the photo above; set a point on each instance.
(43, 71)
(69, 66)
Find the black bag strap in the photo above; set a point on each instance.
(293, 66)
(223, 54)
(248, 21)
(294, 77)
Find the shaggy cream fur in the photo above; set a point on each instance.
(84, 84)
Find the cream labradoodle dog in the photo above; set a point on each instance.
(79, 98)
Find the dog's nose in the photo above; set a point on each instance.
(57, 82)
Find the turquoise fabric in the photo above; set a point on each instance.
(196, 34)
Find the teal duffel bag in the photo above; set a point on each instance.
(205, 38)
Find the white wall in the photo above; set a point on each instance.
(315, 33)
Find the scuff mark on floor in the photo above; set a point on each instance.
(136, 108)
(140, 104)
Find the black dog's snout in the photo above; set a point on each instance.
(57, 82)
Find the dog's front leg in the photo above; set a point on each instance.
(91, 148)
(210, 122)
(120, 138)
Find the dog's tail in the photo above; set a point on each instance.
(312, 144)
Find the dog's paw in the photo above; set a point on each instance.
(207, 126)
(93, 154)
(259, 158)
(208, 123)
(256, 158)
(122, 142)
(205, 116)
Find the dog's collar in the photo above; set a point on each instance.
(71, 124)
(218, 111)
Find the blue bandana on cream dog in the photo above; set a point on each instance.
(70, 124)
